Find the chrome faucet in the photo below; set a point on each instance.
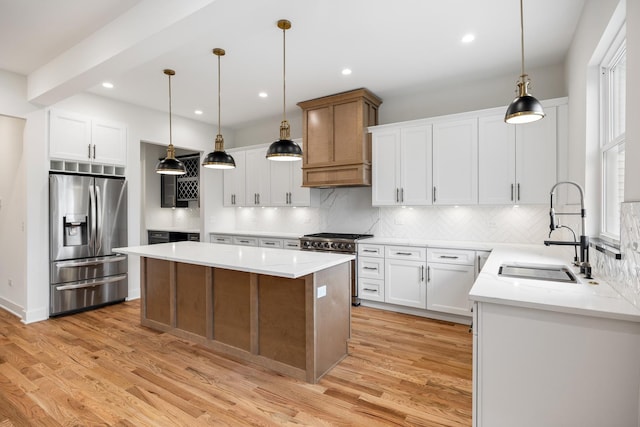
(585, 267)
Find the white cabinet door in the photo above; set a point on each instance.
(234, 181)
(257, 185)
(298, 195)
(405, 283)
(448, 287)
(415, 166)
(455, 162)
(536, 160)
(69, 136)
(496, 161)
(385, 173)
(109, 141)
(280, 177)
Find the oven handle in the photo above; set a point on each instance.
(91, 283)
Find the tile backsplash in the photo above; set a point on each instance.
(624, 274)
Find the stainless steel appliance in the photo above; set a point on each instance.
(337, 242)
(87, 218)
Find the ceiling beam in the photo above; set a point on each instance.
(149, 29)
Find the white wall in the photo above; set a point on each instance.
(632, 171)
(12, 215)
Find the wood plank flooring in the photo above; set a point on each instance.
(102, 368)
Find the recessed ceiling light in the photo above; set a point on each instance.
(468, 38)
(198, 112)
(346, 71)
(263, 94)
(107, 85)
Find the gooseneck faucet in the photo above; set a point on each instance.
(585, 267)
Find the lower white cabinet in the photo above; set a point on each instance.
(450, 276)
(247, 240)
(405, 276)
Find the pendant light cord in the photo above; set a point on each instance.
(284, 65)
(522, 38)
(170, 127)
(219, 133)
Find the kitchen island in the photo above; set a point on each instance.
(284, 310)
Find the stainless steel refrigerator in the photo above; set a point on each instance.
(87, 218)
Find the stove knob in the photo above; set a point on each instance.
(327, 245)
(349, 246)
(305, 244)
(334, 246)
(341, 246)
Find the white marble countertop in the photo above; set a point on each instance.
(281, 235)
(175, 229)
(270, 261)
(582, 298)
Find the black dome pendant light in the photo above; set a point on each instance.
(218, 159)
(170, 165)
(284, 149)
(525, 108)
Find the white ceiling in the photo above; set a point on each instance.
(70, 46)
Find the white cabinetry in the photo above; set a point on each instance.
(85, 139)
(405, 276)
(234, 181)
(370, 272)
(257, 182)
(517, 164)
(402, 166)
(450, 276)
(537, 368)
(455, 162)
(286, 184)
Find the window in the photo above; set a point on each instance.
(612, 108)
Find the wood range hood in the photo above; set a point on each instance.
(336, 144)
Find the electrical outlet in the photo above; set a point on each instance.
(322, 291)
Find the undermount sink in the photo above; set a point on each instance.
(554, 273)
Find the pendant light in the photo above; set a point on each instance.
(284, 149)
(218, 159)
(170, 165)
(525, 108)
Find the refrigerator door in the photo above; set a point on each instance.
(70, 217)
(111, 215)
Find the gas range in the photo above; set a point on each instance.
(332, 242)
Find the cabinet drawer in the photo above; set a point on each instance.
(371, 250)
(372, 268)
(219, 238)
(271, 243)
(371, 289)
(451, 256)
(406, 252)
(246, 241)
(291, 244)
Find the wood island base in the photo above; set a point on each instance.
(298, 327)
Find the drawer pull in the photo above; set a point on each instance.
(370, 289)
(243, 241)
(269, 243)
(449, 257)
(370, 268)
(404, 253)
(373, 251)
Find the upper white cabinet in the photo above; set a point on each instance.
(517, 163)
(234, 181)
(286, 184)
(85, 139)
(455, 162)
(402, 166)
(256, 181)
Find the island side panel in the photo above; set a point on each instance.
(232, 308)
(157, 293)
(191, 298)
(282, 319)
(332, 317)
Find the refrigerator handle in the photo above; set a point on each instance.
(92, 219)
(98, 221)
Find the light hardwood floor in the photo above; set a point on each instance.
(102, 368)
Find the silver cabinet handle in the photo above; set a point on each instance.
(449, 257)
(434, 194)
(402, 195)
(512, 192)
(220, 239)
(258, 198)
(404, 253)
(94, 151)
(518, 191)
(89, 151)
(370, 268)
(422, 273)
(91, 283)
(244, 241)
(428, 274)
(269, 243)
(369, 289)
(370, 250)
(397, 195)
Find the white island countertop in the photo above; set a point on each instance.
(598, 300)
(269, 261)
